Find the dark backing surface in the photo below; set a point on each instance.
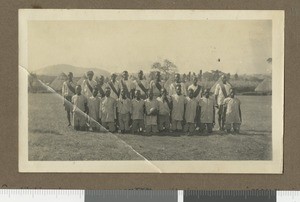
(9, 176)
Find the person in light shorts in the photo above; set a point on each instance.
(151, 107)
(124, 111)
(190, 112)
(108, 111)
(138, 111)
(233, 114)
(163, 111)
(207, 112)
(178, 107)
(80, 109)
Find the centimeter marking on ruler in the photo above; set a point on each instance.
(34, 195)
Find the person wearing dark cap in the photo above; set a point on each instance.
(141, 84)
(68, 90)
(127, 84)
(88, 84)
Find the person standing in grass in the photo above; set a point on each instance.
(178, 109)
(80, 109)
(142, 85)
(68, 90)
(101, 86)
(88, 84)
(151, 107)
(108, 111)
(156, 85)
(137, 109)
(164, 106)
(124, 111)
(207, 112)
(233, 114)
(177, 83)
(196, 88)
(190, 112)
(114, 86)
(221, 92)
(93, 105)
(127, 84)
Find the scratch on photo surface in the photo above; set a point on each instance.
(49, 89)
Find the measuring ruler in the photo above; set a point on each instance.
(38, 195)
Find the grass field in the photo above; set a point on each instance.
(50, 138)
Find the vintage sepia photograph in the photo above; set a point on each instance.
(185, 91)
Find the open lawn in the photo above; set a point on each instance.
(50, 138)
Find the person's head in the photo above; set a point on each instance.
(141, 75)
(178, 89)
(78, 89)
(123, 94)
(195, 80)
(137, 94)
(113, 77)
(101, 80)
(107, 92)
(224, 78)
(157, 76)
(206, 92)
(150, 94)
(95, 92)
(177, 78)
(90, 75)
(232, 93)
(125, 75)
(191, 93)
(70, 76)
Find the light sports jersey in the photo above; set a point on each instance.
(178, 107)
(108, 109)
(137, 109)
(117, 87)
(195, 88)
(66, 90)
(190, 110)
(85, 89)
(232, 112)
(145, 84)
(79, 102)
(207, 109)
(124, 106)
(219, 92)
(163, 107)
(94, 104)
(173, 89)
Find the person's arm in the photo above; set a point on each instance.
(63, 90)
(224, 111)
(240, 112)
(197, 114)
(216, 95)
(86, 106)
(214, 115)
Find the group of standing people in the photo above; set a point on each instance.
(140, 106)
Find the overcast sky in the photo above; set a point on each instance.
(241, 46)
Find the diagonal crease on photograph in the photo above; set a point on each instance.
(157, 169)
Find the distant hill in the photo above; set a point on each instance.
(55, 70)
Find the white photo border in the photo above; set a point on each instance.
(274, 166)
